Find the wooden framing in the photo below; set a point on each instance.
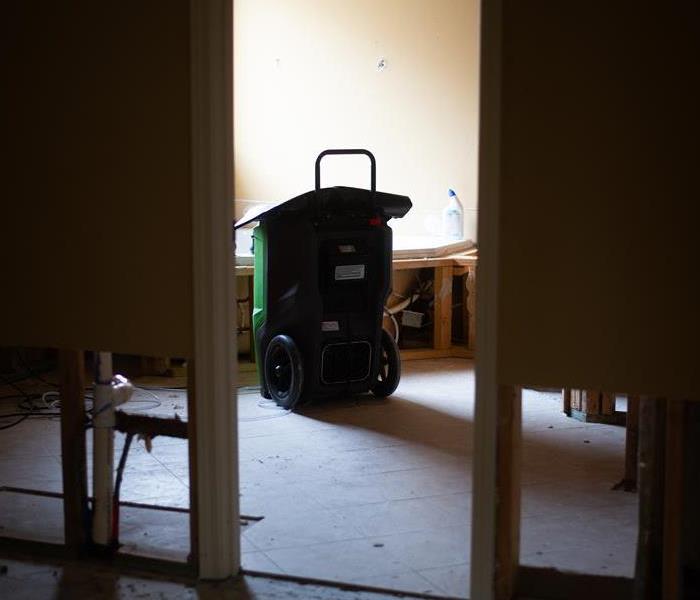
(566, 401)
(674, 463)
(470, 306)
(193, 557)
(442, 321)
(508, 434)
(632, 441)
(629, 479)
(593, 406)
(652, 433)
(215, 455)
(445, 268)
(76, 516)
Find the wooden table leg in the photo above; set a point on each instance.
(155, 365)
(471, 307)
(442, 325)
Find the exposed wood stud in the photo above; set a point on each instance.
(595, 406)
(193, 557)
(673, 494)
(607, 403)
(76, 515)
(591, 402)
(508, 491)
(629, 480)
(576, 399)
(648, 568)
(471, 306)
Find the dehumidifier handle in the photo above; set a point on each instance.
(347, 151)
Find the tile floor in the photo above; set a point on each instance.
(368, 491)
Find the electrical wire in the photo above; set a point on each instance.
(25, 407)
(161, 388)
(30, 414)
(32, 373)
(284, 412)
(46, 405)
(14, 386)
(37, 406)
(262, 403)
(14, 423)
(155, 401)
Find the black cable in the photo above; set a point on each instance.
(32, 373)
(25, 397)
(13, 397)
(117, 487)
(122, 464)
(25, 405)
(29, 413)
(17, 422)
(13, 385)
(28, 403)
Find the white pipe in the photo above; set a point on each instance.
(103, 450)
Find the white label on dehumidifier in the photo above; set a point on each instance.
(347, 272)
(330, 326)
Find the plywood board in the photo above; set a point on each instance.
(96, 224)
(598, 228)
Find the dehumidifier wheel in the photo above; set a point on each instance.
(284, 371)
(389, 367)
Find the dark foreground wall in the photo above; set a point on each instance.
(600, 193)
(95, 234)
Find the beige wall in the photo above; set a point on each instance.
(95, 232)
(306, 79)
(599, 210)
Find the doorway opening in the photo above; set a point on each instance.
(361, 489)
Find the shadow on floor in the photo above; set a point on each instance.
(398, 417)
(566, 441)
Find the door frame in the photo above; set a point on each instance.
(215, 522)
(216, 436)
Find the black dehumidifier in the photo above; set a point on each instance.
(322, 276)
